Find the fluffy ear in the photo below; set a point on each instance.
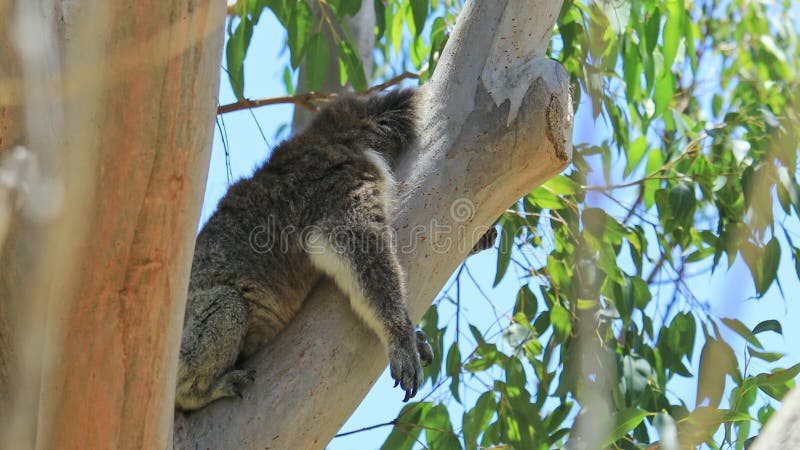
(395, 112)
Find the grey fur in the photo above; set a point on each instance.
(320, 205)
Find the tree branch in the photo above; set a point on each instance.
(304, 100)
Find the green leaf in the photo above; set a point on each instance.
(766, 356)
(317, 54)
(635, 154)
(380, 18)
(554, 420)
(397, 26)
(515, 375)
(476, 333)
(618, 15)
(673, 31)
(353, 66)
(778, 377)
(764, 413)
(682, 202)
(742, 330)
(770, 261)
(235, 52)
(544, 198)
(348, 7)
(716, 360)
(281, 8)
(624, 421)
(476, 419)
(763, 263)
(504, 250)
(419, 9)
(419, 51)
(287, 81)
(405, 433)
(298, 31)
(665, 89)
(655, 160)
(438, 429)
(526, 302)
(454, 369)
(561, 185)
(562, 324)
(768, 325)
(796, 254)
(453, 360)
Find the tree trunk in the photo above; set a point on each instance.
(113, 108)
(496, 122)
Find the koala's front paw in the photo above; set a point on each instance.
(229, 385)
(404, 366)
(424, 348)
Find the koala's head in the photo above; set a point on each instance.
(387, 120)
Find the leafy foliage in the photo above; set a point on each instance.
(305, 38)
(696, 116)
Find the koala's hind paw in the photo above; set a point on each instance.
(405, 368)
(424, 348)
(230, 384)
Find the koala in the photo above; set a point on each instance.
(320, 206)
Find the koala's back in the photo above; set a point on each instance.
(251, 269)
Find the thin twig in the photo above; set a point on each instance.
(371, 427)
(303, 100)
(393, 81)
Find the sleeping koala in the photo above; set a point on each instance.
(320, 206)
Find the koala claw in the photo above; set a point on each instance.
(405, 368)
(230, 383)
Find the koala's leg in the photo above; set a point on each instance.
(486, 241)
(363, 265)
(213, 335)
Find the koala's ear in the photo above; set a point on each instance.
(398, 101)
(396, 111)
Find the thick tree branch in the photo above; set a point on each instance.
(496, 122)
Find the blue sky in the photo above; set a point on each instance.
(250, 135)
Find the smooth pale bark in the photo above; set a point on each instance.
(496, 122)
(10, 129)
(783, 429)
(118, 101)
